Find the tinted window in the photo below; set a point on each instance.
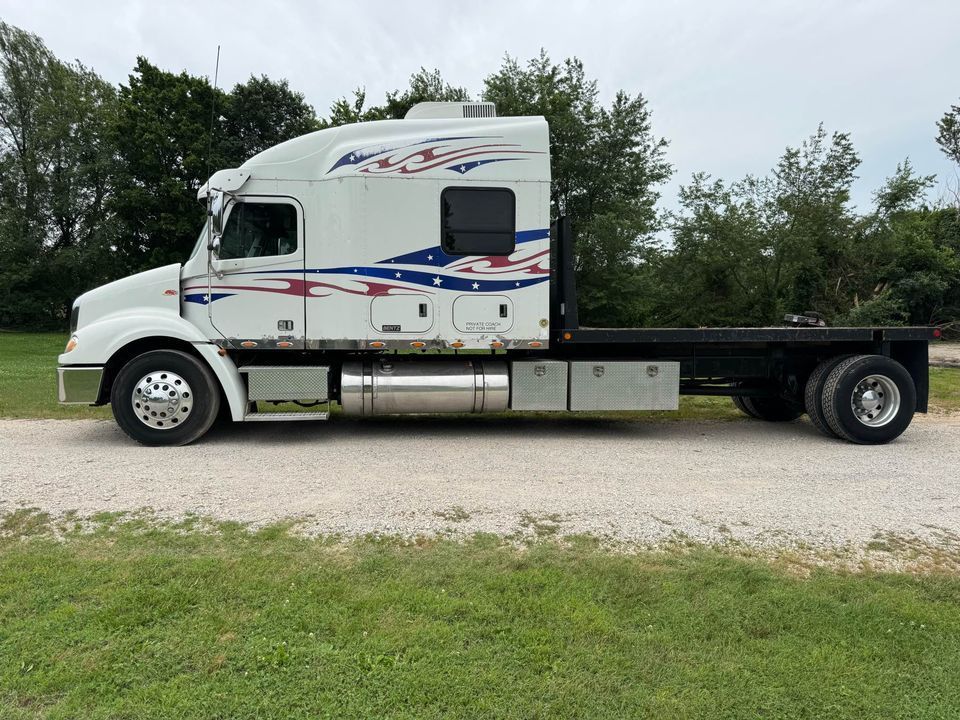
(478, 221)
(259, 230)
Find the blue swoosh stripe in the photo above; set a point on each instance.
(425, 279)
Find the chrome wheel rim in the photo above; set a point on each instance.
(875, 400)
(162, 400)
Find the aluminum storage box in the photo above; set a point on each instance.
(538, 385)
(287, 382)
(619, 385)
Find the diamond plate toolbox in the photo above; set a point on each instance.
(619, 385)
(287, 383)
(538, 385)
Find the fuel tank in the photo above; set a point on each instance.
(391, 386)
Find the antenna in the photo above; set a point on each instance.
(213, 111)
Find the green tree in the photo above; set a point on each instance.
(760, 247)
(948, 137)
(259, 114)
(425, 86)
(606, 166)
(56, 161)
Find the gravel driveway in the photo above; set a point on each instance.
(763, 484)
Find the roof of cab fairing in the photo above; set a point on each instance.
(504, 148)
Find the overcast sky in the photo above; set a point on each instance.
(731, 84)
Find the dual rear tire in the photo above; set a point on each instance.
(865, 399)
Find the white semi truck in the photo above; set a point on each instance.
(411, 266)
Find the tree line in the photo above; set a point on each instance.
(99, 181)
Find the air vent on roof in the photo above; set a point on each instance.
(431, 110)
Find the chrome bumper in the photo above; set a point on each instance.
(79, 385)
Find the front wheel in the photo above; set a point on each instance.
(869, 399)
(165, 397)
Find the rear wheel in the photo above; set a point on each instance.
(772, 409)
(869, 399)
(738, 400)
(813, 394)
(165, 397)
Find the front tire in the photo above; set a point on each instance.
(869, 399)
(165, 397)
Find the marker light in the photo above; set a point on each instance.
(71, 344)
(535, 343)
(417, 344)
(284, 344)
(496, 344)
(456, 344)
(377, 344)
(937, 332)
(567, 336)
(248, 344)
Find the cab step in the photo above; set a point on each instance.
(284, 416)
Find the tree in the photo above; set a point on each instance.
(760, 247)
(606, 165)
(425, 86)
(57, 162)
(948, 137)
(259, 114)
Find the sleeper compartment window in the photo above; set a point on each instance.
(478, 221)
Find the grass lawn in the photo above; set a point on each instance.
(134, 620)
(28, 363)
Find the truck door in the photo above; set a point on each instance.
(258, 300)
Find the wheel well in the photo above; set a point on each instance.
(131, 350)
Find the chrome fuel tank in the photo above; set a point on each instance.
(391, 386)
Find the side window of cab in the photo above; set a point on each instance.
(257, 229)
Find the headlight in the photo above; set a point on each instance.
(71, 344)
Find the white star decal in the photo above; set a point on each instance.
(206, 298)
(429, 257)
(355, 270)
(398, 274)
(463, 169)
(476, 286)
(518, 284)
(437, 280)
(352, 157)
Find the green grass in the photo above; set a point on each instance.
(945, 389)
(28, 363)
(28, 378)
(139, 621)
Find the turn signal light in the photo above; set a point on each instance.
(71, 344)
(417, 344)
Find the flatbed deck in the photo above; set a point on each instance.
(601, 336)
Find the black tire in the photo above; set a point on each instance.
(847, 378)
(738, 400)
(813, 394)
(772, 409)
(196, 413)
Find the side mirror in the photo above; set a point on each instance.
(216, 214)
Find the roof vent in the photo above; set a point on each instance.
(432, 110)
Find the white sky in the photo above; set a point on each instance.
(730, 83)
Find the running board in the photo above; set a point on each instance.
(284, 416)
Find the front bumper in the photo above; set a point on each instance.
(79, 385)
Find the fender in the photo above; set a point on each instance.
(99, 341)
